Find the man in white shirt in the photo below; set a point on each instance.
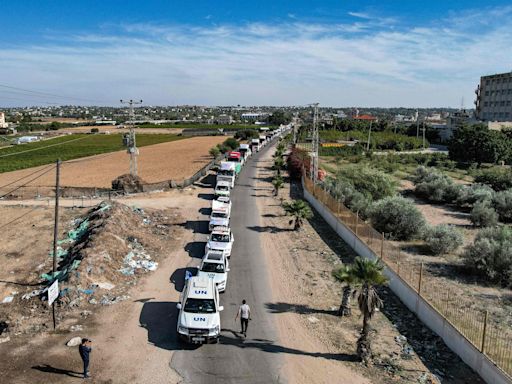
(245, 315)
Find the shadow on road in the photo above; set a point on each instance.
(269, 228)
(58, 371)
(206, 196)
(178, 277)
(197, 226)
(205, 211)
(271, 347)
(195, 249)
(296, 308)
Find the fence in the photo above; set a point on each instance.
(492, 340)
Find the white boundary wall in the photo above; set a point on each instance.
(416, 304)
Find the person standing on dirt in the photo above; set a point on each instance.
(85, 349)
(245, 315)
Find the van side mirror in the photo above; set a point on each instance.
(227, 269)
(178, 305)
(221, 308)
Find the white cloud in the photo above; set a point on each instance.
(363, 63)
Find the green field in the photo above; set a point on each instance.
(68, 148)
(226, 127)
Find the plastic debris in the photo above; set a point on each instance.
(137, 258)
(109, 300)
(8, 299)
(4, 339)
(74, 342)
(86, 291)
(37, 292)
(313, 319)
(75, 328)
(105, 285)
(188, 275)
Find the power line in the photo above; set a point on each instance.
(19, 217)
(37, 149)
(24, 177)
(46, 94)
(28, 182)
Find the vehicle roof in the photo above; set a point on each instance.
(223, 183)
(244, 146)
(223, 230)
(227, 165)
(220, 206)
(200, 288)
(215, 256)
(223, 199)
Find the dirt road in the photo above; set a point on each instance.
(160, 162)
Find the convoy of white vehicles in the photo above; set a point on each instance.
(199, 306)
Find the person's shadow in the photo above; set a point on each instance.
(49, 369)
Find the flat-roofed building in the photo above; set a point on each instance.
(494, 98)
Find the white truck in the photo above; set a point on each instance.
(255, 145)
(263, 140)
(227, 172)
(221, 239)
(245, 150)
(199, 311)
(215, 266)
(222, 188)
(221, 213)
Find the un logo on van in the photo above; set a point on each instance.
(200, 292)
(199, 318)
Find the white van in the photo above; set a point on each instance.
(199, 316)
(223, 188)
(227, 172)
(215, 266)
(221, 239)
(221, 213)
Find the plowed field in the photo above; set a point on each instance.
(176, 160)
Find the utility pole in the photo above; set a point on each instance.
(132, 144)
(417, 125)
(56, 230)
(369, 134)
(423, 134)
(315, 142)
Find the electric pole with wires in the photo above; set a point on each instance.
(130, 140)
(315, 143)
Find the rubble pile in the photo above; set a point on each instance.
(128, 183)
(99, 259)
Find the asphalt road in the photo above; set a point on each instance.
(235, 359)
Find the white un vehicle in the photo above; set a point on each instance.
(215, 266)
(221, 213)
(222, 188)
(199, 316)
(221, 239)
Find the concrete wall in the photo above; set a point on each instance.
(416, 304)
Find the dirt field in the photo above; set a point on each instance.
(167, 161)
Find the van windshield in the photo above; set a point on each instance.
(222, 188)
(200, 306)
(226, 173)
(221, 215)
(213, 267)
(217, 237)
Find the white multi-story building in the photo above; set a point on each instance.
(494, 98)
(3, 124)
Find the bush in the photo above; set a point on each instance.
(296, 162)
(483, 215)
(371, 182)
(397, 216)
(215, 152)
(443, 239)
(222, 148)
(498, 179)
(246, 134)
(352, 199)
(502, 203)
(474, 193)
(435, 186)
(490, 255)
(231, 143)
(95, 130)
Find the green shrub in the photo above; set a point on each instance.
(371, 182)
(398, 217)
(215, 152)
(223, 148)
(246, 134)
(231, 143)
(435, 186)
(498, 179)
(502, 202)
(443, 239)
(385, 140)
(474, 193)
(490, 255)
(347, 194)
(483, 215)
(95, 130)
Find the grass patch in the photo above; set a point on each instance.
(226, 127)
(69, 147)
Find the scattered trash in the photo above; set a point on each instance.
(137, 258)
(75, 328)
(86, 291)
(37, 292)
(407, 351)
(74, 342)
(188, 275)
(8, 299)
(105, 285)
(313, 319)
(108, 300)
(4, 339)
(93, 301)
(85, 313)
(428, 378)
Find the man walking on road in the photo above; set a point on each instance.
(85, 349)
(245, 315)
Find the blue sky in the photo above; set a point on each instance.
(339, 53)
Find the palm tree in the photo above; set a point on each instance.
(278, 183)
(369, 275)
(299, 210)
(278, 165)
(345, 274)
